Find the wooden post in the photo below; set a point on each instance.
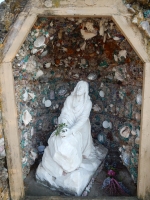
(144, 153)
(10, 125)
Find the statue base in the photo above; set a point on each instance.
(75, 182)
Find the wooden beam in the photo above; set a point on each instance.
(10, 125)
(144, 152)
(133, 38)
(76, 11)
(18, 35)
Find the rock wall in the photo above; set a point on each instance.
(59, 52)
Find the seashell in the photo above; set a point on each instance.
(39, 73)
(39, 42)
(32, 131)
(96, 108)
(87, 35)
(137, 116)
(133, 132)
(43, 101)
(44, 53)
(82, 47)
(106, 124)
(116, 38)
(138, 132)
(32, 95)
(139, 99)
(48, 103)
(92, 76)
(137, 18)
(116, 58)
(125, 132)
(75, 76)
(137, 140)
(101, 93)
(62, 92)
(89, 26)
(25, 96)
(24, 160)
(122, 53)
(48, 3)
(33, 51)
(126, 158)
(33, 155)
(100, 138)
(90, 2)
(47, 65)
(26, 117)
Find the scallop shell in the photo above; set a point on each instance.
(92, 76)
(39, 41)
(125, 132)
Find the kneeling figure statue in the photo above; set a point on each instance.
(71, 159)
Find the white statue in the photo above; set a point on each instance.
(70, 159)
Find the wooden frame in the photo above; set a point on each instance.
(16, 38)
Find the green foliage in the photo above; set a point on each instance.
(59, 128)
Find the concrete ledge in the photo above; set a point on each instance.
(80, 198)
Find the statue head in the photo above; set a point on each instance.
(81, 88)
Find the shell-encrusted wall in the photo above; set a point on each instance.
(59, 52)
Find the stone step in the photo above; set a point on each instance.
(80, 198)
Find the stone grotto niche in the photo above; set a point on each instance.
(59, 52)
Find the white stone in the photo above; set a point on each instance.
(102, 94)
(48, 103)
(139, 99)
(105, 124)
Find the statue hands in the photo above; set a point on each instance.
(65, 132)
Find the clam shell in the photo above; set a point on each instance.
(39, 41)
(92, 76)
(125, 132)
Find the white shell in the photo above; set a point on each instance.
(39, 73)
(101, 93)
(110, 125)
(96, 108)
(116, 38)
(48, 3)
(25, 96)
(137, 140)
(47, 65)
(33, 155)
(82, 47)
(92, 76)
(115, 58)
(122, 53)
(32, 95)
(48, 103)
(43, 101)
(139, 99)
(100, 138)
(86, 35)
(39, 41)
(105, 124)
(26, 117)
(138, 132)
(125, 132)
